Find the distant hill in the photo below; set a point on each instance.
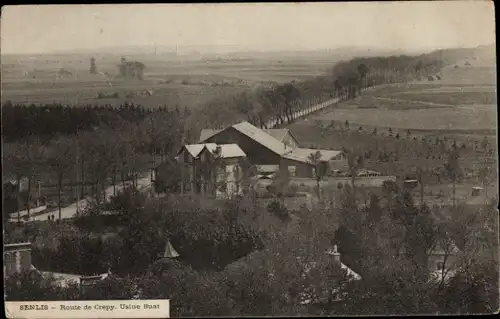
(450, 56)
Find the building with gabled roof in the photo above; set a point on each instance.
(211, 169)
(273, 147)
(442, 259)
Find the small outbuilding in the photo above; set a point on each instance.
(476, 190)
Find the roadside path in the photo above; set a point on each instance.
(70, 211)
(303, 113)
(413, 101)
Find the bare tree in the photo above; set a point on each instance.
(452, 169)
(34, 159)
(62, 162)
(354, 164)
(420, 179)
(93, 68)
(485, 176)
(14, 162)
(362, 72)
(319, 168)
(249, 171)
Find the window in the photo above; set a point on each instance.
(440, 265)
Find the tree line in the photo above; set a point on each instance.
(111, 145)
(344, 81)
(45, 121)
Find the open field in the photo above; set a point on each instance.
(485, 96)
(467, 119)
(83, 93)
(171, 81)
(463, 102)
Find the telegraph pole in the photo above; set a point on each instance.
(77, 177)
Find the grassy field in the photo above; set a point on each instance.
(172, 81)
(459, 97)
(463, 102)
(467, 119)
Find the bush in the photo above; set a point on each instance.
(31, 286)
(293, 189)
(76, 254)
(127, 198)
(286, 195)
(277, 208)
(207, 237)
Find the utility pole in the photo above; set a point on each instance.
(39, 193)
(77, 178)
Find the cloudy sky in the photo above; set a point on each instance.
(397, 25)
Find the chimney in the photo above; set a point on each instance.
(218, 150)
(335, 253)
(17, 258)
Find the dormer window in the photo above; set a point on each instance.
(439, 265)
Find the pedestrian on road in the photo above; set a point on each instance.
(48, 217)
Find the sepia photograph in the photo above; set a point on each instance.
(249, 159)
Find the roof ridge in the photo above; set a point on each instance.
(240, 127)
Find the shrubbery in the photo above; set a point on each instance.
(277, 208)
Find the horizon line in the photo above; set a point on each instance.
(238, 49)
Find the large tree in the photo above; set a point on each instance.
(93, 68)
(354, 164)
(452, 169)
(319, 168)
(62, 162)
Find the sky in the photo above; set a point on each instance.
(405, 26)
